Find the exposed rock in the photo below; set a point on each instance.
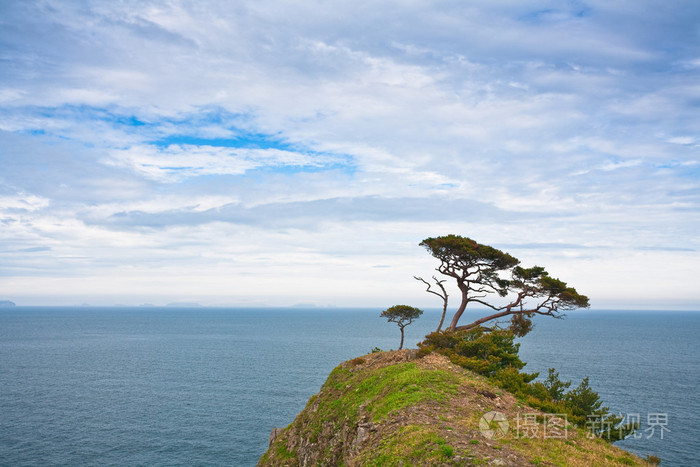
(274, 434)
(393, 408)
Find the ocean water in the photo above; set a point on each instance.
(170, 386)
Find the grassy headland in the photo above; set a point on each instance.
(392, 408)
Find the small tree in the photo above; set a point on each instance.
(403, 315)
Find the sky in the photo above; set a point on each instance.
(273, 153)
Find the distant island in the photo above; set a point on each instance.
(7, 303)
(185, 304)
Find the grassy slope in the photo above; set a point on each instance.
(386, 409)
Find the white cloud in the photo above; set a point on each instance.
(176, 163)
(615, 165)
(23, 202)
(682, 140)
(511, 122)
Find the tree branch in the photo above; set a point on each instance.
(442, 295)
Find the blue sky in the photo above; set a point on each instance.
(273, 153)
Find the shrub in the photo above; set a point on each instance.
(514, 381)
(583, 400)
(554, 386)
(482, 352)
(493, 353)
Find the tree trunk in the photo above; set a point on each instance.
(444, 305)
(442, 319)
(462, 306)
(401, 346)
(481, 321)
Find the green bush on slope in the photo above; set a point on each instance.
(494, 354)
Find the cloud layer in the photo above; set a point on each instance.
(283, 152)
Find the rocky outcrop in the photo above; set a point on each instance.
(393, 408)
(273, 435)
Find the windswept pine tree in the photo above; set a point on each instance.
(494, 279)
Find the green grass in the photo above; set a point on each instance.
(281, 454)
(403, 385)
(380, 391)
(356, 392)
(410, 445)
(391, 388)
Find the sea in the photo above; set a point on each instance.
(204, 386)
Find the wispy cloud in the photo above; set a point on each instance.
(144, 138)
(176, 163)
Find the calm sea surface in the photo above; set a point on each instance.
(165, 386)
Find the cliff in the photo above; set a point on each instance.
(391, 408)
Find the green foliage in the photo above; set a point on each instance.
(495, 354)
(411, 445)
(521, 324)
(554, 386)
(626, 460)
(540, 283)
(450, 247)
(583, 400)
(585, 409)
(513, 380)
(447, 450)
(401, 314)
(281, 453)
(538, 391)
(482, 271)
(477, 350)
(383, 392)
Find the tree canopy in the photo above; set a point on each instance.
(483, 273)
(402, 315)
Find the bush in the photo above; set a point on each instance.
(583, 400)
(513, 380)
(493, 353)
(478, 350)
(554, 386)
